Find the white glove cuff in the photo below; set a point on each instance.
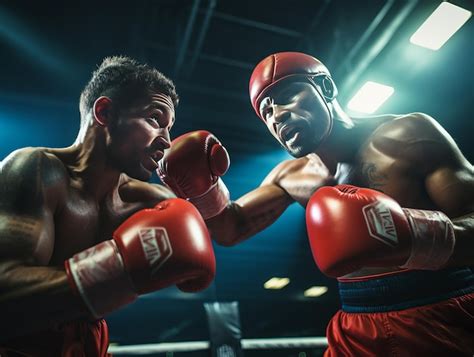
(98, 274)
(213, 201)
(433, 239)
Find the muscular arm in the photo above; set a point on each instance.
(33, 295)
(449, 180)
(452, 189)
(249, 215)
(291, 181)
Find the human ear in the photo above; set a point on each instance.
(102, 110)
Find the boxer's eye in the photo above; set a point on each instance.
(154, 121)
(267, 113)
(266, 108)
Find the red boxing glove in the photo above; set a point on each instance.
(350, 228)
(152, 249)
(191, 169)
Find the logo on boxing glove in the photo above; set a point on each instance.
(380, 223)
(156, 246)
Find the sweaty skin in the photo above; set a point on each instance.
(409, 157)
(57, 202)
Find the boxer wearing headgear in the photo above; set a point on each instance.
(297, 68)
(83, 233)
(396, 228)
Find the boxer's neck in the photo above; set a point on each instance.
(342, 143)
(87, 161)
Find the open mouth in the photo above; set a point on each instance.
(151, 160)
(157, 155)
(289, 134)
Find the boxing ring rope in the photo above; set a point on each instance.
(247, 344)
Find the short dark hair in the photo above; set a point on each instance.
(124, 80)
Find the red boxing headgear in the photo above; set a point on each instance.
(279, 66)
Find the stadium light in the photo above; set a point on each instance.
(276, 283)
(370, 97)
(315, 291)
(440, 26)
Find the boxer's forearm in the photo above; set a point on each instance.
(34, 298)
(463, 254)
(249, 215)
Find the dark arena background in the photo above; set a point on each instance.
(209, 48)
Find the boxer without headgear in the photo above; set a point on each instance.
(400, 245)
(82, 233)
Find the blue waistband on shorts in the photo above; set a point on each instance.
(405, 290)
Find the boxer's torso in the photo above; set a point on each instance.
(379, 164)
(383, 162)
(80, 220)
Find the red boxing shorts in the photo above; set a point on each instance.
(411, 313)
(74, 339)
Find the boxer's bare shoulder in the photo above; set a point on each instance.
(132, 190)
(308, 165)
(419, 139)
(300, 178)
(422, 142)
(32, 183)
(423, 150)
(31, 180)
(282, 169)
(24, 165)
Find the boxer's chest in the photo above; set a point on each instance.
(83, 222)
(397, 178)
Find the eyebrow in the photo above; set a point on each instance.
(160, 105)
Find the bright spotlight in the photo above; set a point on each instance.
(276, 283)
(370, 97)
(440, 26)
(315, 291)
